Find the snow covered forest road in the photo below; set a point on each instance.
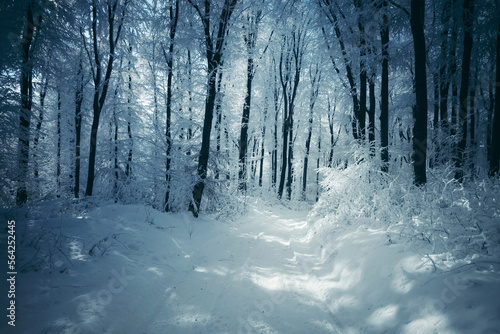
(130, 269)
(245, 279)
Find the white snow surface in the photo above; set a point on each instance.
(131, 269)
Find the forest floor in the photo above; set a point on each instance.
(130, 269)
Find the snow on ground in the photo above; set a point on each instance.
(130, 269)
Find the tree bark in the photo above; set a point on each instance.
(128, 168)
(384, 86)
(290, 70)
(315, 79)
(58, 152)
(468, 17)
(214, 57)
(495, 135)
(332, 17)
(169, 58)
(26, 86)
(101, 85)
(419, 156)
(78, 125)
(250, 38)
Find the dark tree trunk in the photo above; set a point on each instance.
(78, 125)
(491, 108)
(250, 39)
(473, 144)
(101, 85)
(315, 80)
(362, 73)
(214, 58)
(289, 176)
(242, 174)
(39, 122)
(262, 146)
(168, 131)
(371, 116)
(128, 168)
(306, 157)
(218, 119)
(435, 121)
(453, 79)
(495, 135)
(274, 158)
(419, 156)
(26, 86)
(318, 162)
(332, 17)
(444, 82)
(468, 17)
(114, 126)
(384, 86)
(290, 69)
(58, 153)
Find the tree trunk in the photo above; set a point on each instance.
(318, 160)
(242, 174)
(315, 80)
(306, 157)
(371, 115)
(444, 82)
(26, 86)
(384, 94)
(58, 153)
(262, 145)
(168, 134)
(214, 57)
(468, 17)
(419, 156)
(495, 135)
(435, 121)
(332, 17)
(78, 125)
(362, 73)
(290, 70)
(101, 85)
(36, 139)
(218, 119)
(453, 80)
(473, 144)
(114, 126)
(128, 168)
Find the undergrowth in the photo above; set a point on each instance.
(449, 221)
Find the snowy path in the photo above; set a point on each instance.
(130, 270)
(245, 280)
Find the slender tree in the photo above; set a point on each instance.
(290, 67)
(329, 10)
(315, 78)
(495, 135)
(26, 86)
(384, 87)
(169, 58)
(468, 16)
(419, 155)
(101, 83)
(214, 53)
(250, 39)
(78, 123)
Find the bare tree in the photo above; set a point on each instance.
(101, 83)
(214, 53)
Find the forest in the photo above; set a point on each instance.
(179, 104)
(384, 113)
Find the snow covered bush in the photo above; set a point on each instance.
(447, 219)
